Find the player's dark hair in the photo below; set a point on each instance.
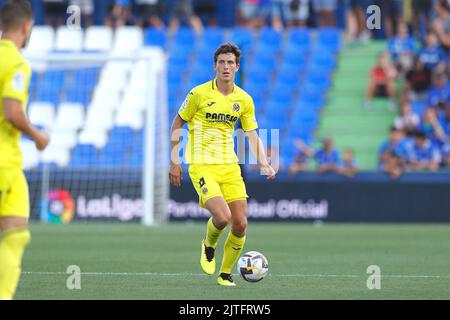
(13, 13)
(228, 48)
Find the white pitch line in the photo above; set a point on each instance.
(159, 274)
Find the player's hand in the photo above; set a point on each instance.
(175, 175)
(41, 140)
(268, 171)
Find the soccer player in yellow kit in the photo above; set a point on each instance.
(16, 20)
(211, 111)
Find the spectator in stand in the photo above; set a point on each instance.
(300, 163)
(206, 10)
(444, 120)
(439, 94)
(407, 120)
(119, 13)
(421, 9)
(147, 13)
(382, 82)
(432, 128)
(326, 12)
(356, 15)
(441, 24)
(55, 12)
(294, 12)
(424, 155)
(446, 155)
(393, 154)
(327, 158)
(253, 13)
(418, 82)
(391, 13)
(349, 167)
(432, 54)
(402, 48)
(184, 10)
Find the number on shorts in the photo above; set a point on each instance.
(201, 182)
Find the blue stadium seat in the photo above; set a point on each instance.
(294, 61)
(200, 74)
(182, 49)
(212, 37)
(270, 37)
(276, 119)
(255, 73)
(286, 74)
(121, 134)
(319, 81)
(262, 62)
(205, 55)
(281, 98)
(300, 37)
(86, 76)
(242, 37)
(83, 156)
(54, 78)
(155, 37)
(323, 60)
(329, 38)
(262, 82)
(79, 95)
(48, 94)
(185, 37)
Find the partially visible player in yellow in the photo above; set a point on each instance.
(211, 111)
(16, 22)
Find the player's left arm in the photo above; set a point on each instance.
(250, 125)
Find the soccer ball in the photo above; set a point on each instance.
(253, 266)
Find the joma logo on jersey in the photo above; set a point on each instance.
(220, 117)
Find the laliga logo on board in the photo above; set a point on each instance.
(60, 208)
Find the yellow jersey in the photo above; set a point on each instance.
(15, 74)
(211, 118)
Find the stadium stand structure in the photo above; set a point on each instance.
(95, 113)
(345, 118)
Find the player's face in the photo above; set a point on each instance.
(226, 67)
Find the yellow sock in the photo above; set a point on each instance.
(12, 247)
(212, 234)
(231, 252)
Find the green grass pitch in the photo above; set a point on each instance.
(329, 261)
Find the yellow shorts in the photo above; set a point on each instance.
(14, 198)
(212, 180)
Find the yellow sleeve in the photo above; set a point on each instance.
(248, 118)
(189, 106)
(16, 83)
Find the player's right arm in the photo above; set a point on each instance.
(175, 134)
(14, 114)
(14, 97)
(185, 114)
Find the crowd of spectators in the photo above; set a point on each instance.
(413, 74)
